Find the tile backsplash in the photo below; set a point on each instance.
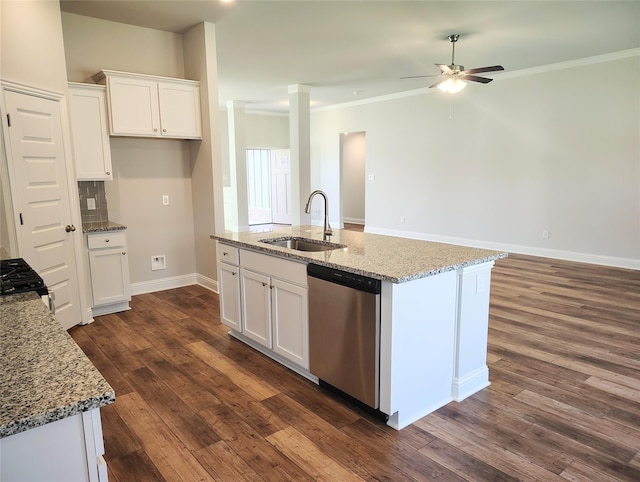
(93, 201)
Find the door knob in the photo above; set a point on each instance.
(69, 227)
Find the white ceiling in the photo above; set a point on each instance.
(342, 47)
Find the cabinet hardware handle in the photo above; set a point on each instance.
(155, 129)
(164, 130)
(233, 274)
(264, 284)
(108, 173)
(69, 228)
(224, 254)
(106, 240)
(123, 253)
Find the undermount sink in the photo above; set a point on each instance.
(302, 244)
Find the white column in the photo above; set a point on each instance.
(300, 146)
(238, 165)
(199, 49)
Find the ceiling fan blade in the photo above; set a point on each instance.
(419, 76)
(437, 83)
(444, 68)
(475, 78)
(493, 68)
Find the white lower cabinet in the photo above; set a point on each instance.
(109, 272)
(264, 300)
(256, 306)
(290, 321)
(70, 449)
(229, 288)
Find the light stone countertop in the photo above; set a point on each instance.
(98, 226)
(45, 376)
(387, 258)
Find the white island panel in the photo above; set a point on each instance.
(417, 347)
(472, 325)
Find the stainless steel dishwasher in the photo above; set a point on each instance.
(344, 332)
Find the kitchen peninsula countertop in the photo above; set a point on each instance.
(387, 258)
(45, 376)
(98, 226)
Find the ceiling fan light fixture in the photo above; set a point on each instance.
(452, 85)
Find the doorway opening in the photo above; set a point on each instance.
(268, 186)
(352, 179)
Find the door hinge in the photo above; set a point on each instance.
(9, 119)
(21, 220)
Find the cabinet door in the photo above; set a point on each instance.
(109, 275)
(91, 149)
(133, 107)
(256, 306)
(229, 286)
(290, 320)
(179, 110)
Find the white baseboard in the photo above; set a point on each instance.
(353, 220)
(616, 262)
(470, 384)
(206, 282)
(163, 284)
(112, 308)
(173, 282)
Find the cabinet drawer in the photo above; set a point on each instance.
(106, 240)
(227, 254)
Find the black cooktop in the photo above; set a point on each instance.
(16, 276)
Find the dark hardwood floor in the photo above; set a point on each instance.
(564, 401)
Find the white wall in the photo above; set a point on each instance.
(31, 48)
(135, 200)
(555, 150)
(93, 44)
(266, 131)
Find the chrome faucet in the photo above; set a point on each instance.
(327, 227)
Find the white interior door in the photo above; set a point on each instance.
(37, 168)
(280, 186)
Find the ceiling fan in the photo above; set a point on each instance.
(453, 77)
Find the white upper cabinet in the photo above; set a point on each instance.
(89, 131)
(179, 110)
(148, 106)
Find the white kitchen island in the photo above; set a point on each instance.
(433, 310)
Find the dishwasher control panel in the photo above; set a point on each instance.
(351, 280)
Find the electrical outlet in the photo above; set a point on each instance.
(91, 203)
(165, 199)
(371, 177)
(545, 234)
(158, 262)
(402, 219)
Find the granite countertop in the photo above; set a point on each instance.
(45, 376)
(387, 258)
(96, 227)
